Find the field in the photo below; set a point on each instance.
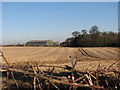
(87, 58)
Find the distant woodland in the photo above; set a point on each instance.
(95, 38)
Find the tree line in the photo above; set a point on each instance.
(94, 38)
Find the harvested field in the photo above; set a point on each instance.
(60, 56)
(88, 59)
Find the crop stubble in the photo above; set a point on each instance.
(88, 58)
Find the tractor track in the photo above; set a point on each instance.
(85, 53)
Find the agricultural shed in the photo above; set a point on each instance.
(39, 43)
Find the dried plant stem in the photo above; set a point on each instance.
(57, 81)
(92, 75)
(97, 78)
(34, 81)
(40, 70)
(7, 79)
(112, 65)
(55, 86)
(39, 84)
(14, 80)
(89, 79)
(8, 68)
(37, 78)
(80, 78)
(5, 59)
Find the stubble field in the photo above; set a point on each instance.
(87, 58)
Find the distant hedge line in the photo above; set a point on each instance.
(95, 38)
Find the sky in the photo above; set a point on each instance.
(24, 21)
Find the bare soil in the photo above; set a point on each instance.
(60, 56)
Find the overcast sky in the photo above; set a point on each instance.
(55, 21)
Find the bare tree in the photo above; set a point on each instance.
(84, 32)
(75, 33)
(94, 30)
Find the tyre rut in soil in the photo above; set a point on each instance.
(85, 53)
